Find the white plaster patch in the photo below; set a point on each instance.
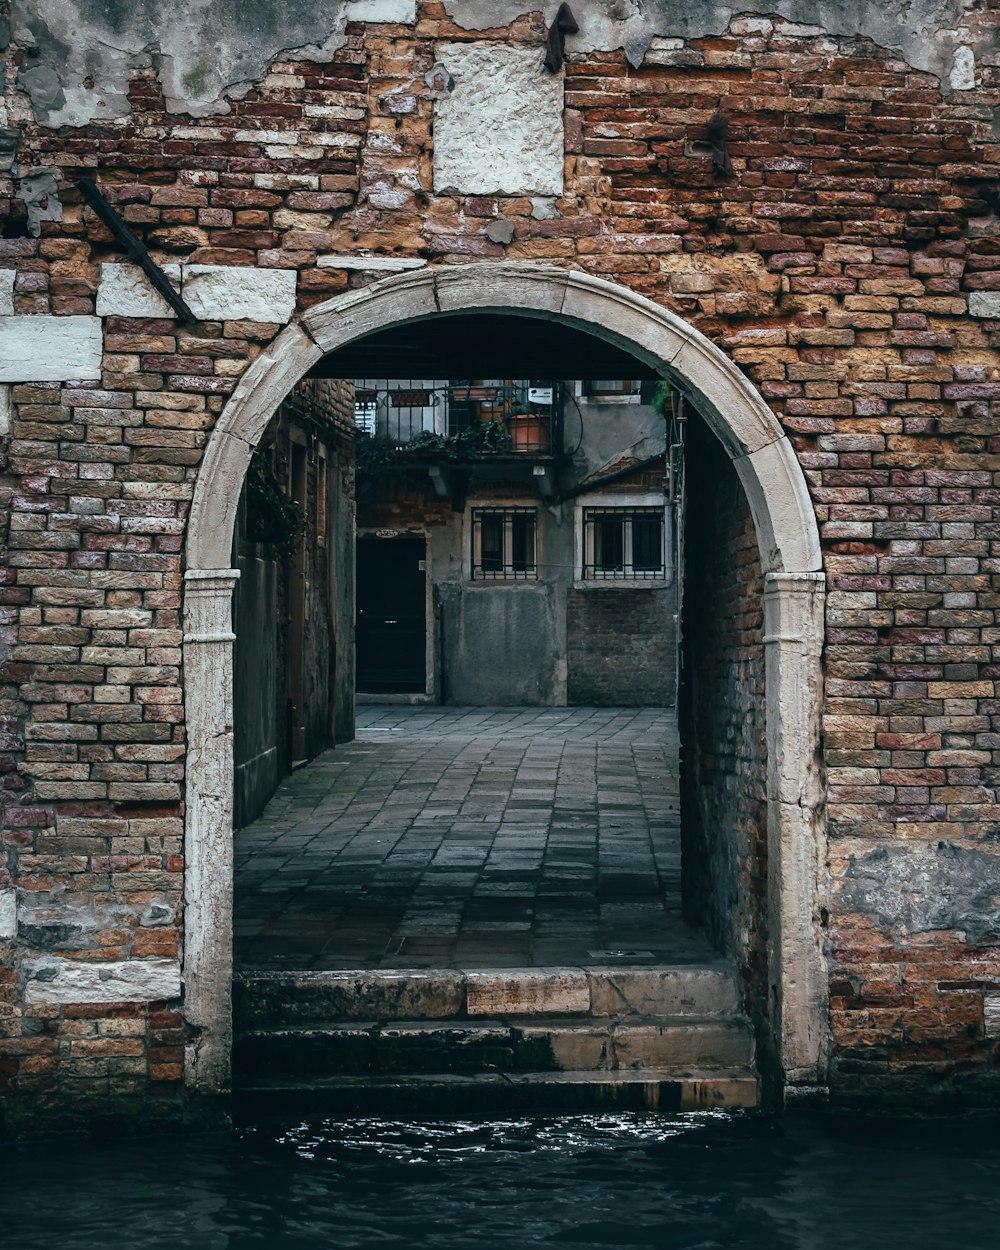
(387, 264)
(8, 913)
(212, 292)
(239, 292)
(50, 349)
(984, 304)
(401, 11)
(125, 291)
(963, 70)
(4, 409)
(500, 132)
(57, 980)
(6, 292)
(991, 1014)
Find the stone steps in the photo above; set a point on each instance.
(531, 1044)
(264, 999)
(501, 1092)
(669, 1037)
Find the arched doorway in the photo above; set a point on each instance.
(789, 550)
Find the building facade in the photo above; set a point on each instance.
(533, 531)
(293, 659)
(790, 213)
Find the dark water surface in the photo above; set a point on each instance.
(707, 1180)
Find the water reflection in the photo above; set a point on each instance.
(626, 1180)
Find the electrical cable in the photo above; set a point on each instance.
(579, 413)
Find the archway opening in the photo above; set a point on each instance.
(618, 329)
(512, 799)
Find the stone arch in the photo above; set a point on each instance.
(787, 537)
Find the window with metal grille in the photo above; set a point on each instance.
(610, 386)
(366, 411)
(624, 543)
(503, 544)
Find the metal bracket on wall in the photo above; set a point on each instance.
(134, 248)
(544, 481)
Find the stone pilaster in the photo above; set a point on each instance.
(208, 880)
(793, 634)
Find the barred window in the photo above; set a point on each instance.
(622, 543)
(610, 386)
(503, 544)
(366, 411)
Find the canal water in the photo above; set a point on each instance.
(694, 1181)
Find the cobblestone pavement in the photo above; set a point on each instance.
(451, 837)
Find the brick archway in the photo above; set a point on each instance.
(787, 537)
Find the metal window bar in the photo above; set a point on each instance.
(503, 544)
(366, 412)
(623, 544)
(527, 413)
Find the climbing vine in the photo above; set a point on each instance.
(272, 518)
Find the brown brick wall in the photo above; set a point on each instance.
(835, 268)
(620, 647)
(722, 716)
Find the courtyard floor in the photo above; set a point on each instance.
(470, 838)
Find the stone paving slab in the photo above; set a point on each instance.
(465, 838)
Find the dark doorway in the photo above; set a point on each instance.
(392, 626)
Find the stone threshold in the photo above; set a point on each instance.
(283, 998)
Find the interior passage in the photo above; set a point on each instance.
(451, 837)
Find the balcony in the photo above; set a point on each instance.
(467, 422)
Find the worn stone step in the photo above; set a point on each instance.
(651, 1089)
(531, 1044)
(282, 998)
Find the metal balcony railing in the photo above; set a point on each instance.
(473, 418)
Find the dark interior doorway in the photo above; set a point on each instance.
(391, 625)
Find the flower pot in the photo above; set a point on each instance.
(529, 431)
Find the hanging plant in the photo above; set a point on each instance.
(372, 455)
(272, 517)
(662, 397)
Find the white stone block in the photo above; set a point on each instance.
(963, 70)
(500, 131)
(371, 264)
(991, 1014)
(212, 292)
(399, 12)
(4, 409)
(8, 913)
(984, 304)
(125, 291)
(50, 349)
(6, 292)
(53, 979)
(239, 292)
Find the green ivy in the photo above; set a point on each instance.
(661, 397)
(373, 454)
(272, 517)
